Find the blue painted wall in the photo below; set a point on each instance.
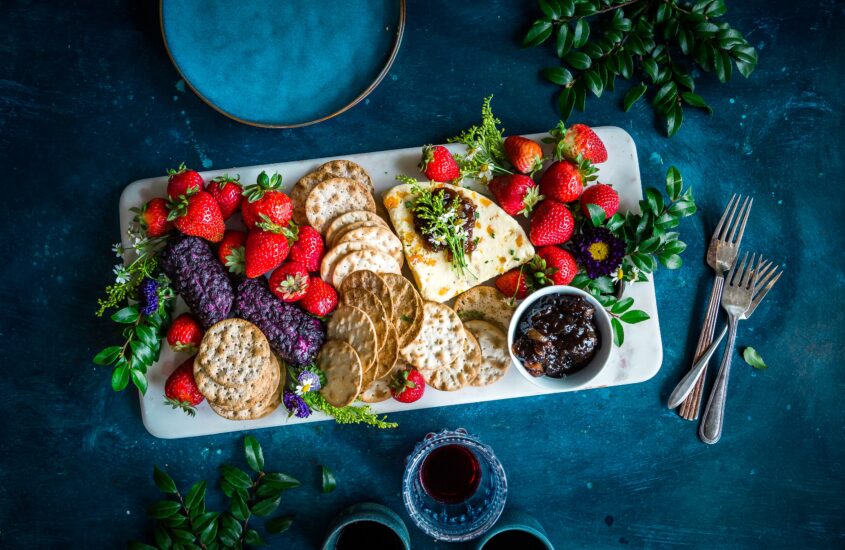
(89, 102)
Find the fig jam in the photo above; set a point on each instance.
(464, 209)
(557, 336)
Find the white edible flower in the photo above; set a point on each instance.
(472, 152)
(121, 274)
(117, 248)
(485, 173)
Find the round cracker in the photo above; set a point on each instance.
(485, 303)
(300, 191)
(381, 238)
(335, 254)
(369, 303)
(347, 218)
(440, 341)
(349, 227)
(457, 374)
(350, 170)
(237, 397)
(494, 352)
(370, 280)
(388, 355)
(373, 260)
(233, 352)
(259, 410)
(407, 307)
(342, 367)
(354, 327)
(376, 392)
(333, 197)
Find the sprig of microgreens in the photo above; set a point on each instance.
(485, 156)
(183, 521)
(441, 221)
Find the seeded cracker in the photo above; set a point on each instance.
(378, 237)
(354, 327)
(373, 260)
(486, 303)
(407, 307)
(344, 220)
(259, 410)
(234, 352)
(342, 367)
(238, 397)
(457, 374)
(494, 351)
(333, 197)
(335, 254)
(348, 169)
(440, 340)
(300, 191)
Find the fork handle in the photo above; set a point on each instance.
(710, 430)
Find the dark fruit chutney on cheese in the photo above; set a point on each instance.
(557, 336)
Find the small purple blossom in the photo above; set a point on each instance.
(148, 296)
(598, 251)
(295, 405)
(307, 381)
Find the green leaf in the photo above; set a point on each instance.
(283, 481)
(164, 509)
(538, 33)
(604, 285)
(753, 358)
(252, 538)
(266, 506)
(567, 8)
(279, 524)
(716, 8)
(643, 262)
(671, 261)
(696, 101)
(597, 214)
(622, 305)
(147, 335)
(551, 8)
(565, 102)
(722, 66)
(329, 481)
(593, 82)
(266, 490)
(209, 532)
(126, 316)
(163, 480)
(666, 93)
(558, 75)
(196, 495)
(203, 520)
(175, 521)
(674, 120)
(682, 208)
(163, 540)
(579, 60)
(141, 353)
(633, 95)
(107, 356)
(580, 96)
(238, 507)
(655, 200)
(183, 536)
(674, 183)
(615, 222)
(563, 40)
(649, 66)
(120, 376)
(581, 33)
(673, 247)
(649, 245)
(254, 454)
(618, 332)
(237, 477)
(634, 316)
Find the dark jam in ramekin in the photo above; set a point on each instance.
(557, 336)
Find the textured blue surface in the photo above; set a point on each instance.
(280, 63)
(90, 102)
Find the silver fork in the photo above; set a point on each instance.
(747, 285)
(721, 256)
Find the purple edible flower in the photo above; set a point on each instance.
(295, 405)
(148, 296)
(598, 251)
(307, 381)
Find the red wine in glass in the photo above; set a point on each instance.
(450, 474)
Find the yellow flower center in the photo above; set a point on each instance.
(599, 251)
(306, 387)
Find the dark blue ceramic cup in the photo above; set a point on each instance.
(516, 520)
(367, 511)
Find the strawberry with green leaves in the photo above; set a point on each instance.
(515, 193)
(183, 180)
(407, 386)
(438, 164)
(514, 284)
(564, 180)
(265, 202)
(180, 389)
(152, 218)
(289, 282)
(308, 249)
(266, 248)
(524, 154)
(553, 266)
(320, 299)
(551, 223)
(603, 196)
(226, 190)
(197, 214)
(184, 334)
(231, 251)
(580, 141)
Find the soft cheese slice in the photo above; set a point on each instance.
(502, 245)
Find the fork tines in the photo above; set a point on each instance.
(742, 273)
(766, 277)
(727, 222)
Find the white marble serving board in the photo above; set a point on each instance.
(636, 361)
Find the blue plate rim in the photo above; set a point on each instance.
(397, 41)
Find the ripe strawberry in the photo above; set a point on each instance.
(184, 334)
(554, 266)
(438, 164)
(551, 223)
(308, 248)
(181, 389)
(226, 191)
(514, 284)
(197, 214)
(564, 180)
(265, 202)
(516, 194)
(152, 218)
(525, 154)
(289, 282)
(321, 298)
(182, 181)
(265, 251)
(231, 251)
(581, 140)
(602, 195)
(407, 386)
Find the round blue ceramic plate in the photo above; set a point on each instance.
(282, 63)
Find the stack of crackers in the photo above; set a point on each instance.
(236, 371)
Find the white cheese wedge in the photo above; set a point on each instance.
(502, 245)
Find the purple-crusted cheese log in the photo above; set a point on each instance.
(199, 278)
(295, 336)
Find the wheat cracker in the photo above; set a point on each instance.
(407, 307)
(370, 280)
(300, 191)
(342, 367)
(342, 221)
(369, 303)
(350, 170)
(441, 338)
(496, 359)
(233, 352)
(485, 303)
(373, 260)
(353, 326)
(335, 196)
(381, 238)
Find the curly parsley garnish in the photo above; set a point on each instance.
(485, 157)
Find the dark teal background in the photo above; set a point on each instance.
(90, 102)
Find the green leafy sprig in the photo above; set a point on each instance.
(485, 156)
(660, 43)
(183, 521)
